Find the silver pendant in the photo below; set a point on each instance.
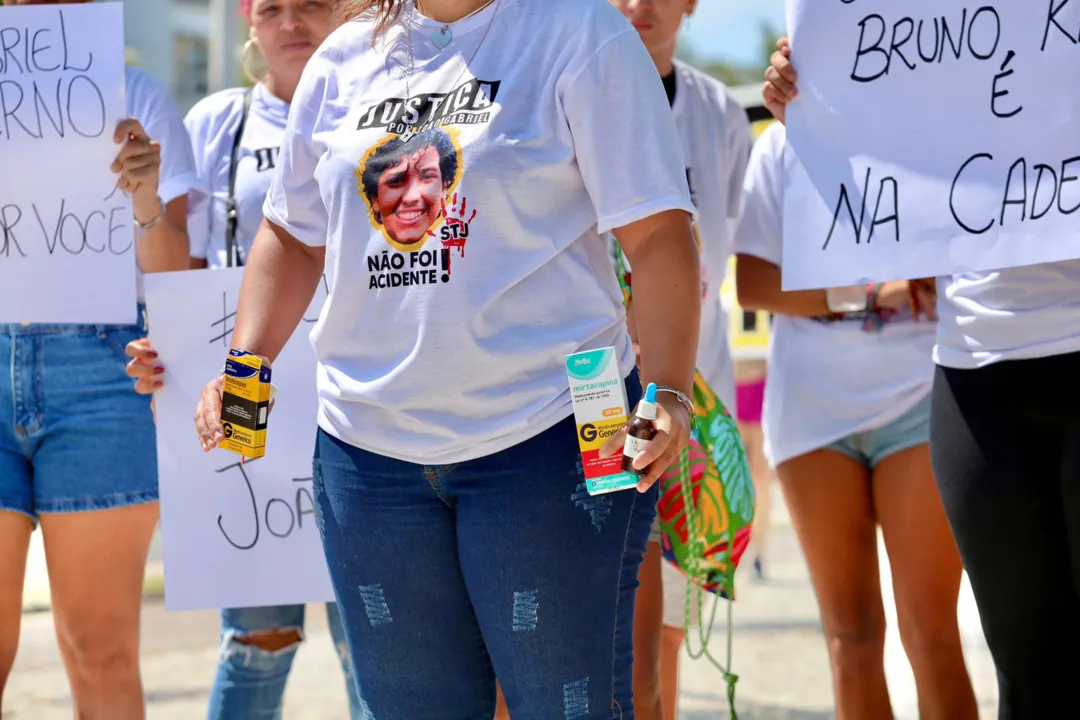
(442, 37)
(407, 135)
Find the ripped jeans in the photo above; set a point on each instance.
(250, 681)
(501, 566)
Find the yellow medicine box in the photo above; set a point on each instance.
(245, 403)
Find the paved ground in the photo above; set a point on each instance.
(778, 654)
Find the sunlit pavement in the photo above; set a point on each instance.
(778, 653)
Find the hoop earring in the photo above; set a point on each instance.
(245, 60)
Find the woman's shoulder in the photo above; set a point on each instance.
(217, 106)
(706, 90)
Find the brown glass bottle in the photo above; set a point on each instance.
(640, 430)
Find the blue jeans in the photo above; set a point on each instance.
(74, 435)
(250, 681)
(502, 566)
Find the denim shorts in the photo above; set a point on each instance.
(872, 446)
(504, 566)
(74, 434)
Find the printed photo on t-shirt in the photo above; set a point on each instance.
(406, 184)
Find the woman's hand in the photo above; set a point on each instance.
(144, 366)
(208, 415)
(139, 167)
(780, 80)
(672, 436)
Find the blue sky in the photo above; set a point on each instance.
(729, 29)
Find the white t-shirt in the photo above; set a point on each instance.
(715, 134)
(1012, 314)
(826, 380)
(445, 333)
(150, 103)
(213, 124)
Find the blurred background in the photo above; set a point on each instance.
(193, 46)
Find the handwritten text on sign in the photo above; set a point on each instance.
(66, 234)
(233, 535)
(930, 137)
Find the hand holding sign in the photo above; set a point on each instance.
(780, 79)
(139, 166)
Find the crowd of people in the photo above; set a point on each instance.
(941, 411)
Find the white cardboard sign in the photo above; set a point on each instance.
(931, 137)
(67, 240)
(233, 535)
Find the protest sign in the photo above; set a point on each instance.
(233, 535)
(930, 137)
(67, 251)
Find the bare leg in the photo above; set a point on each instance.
(501, 713)
(762, 475)
(15, 529)
(926, 572)
(671, 642)
(96, 565)
(831, 504)
(648, 624)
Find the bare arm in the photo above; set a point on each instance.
(664, 326)
(757, 283)
(280, 279)
(667, 295)
(163, 247)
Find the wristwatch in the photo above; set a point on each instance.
(849, 299)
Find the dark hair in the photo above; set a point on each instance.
(390, 154)
(385, 11)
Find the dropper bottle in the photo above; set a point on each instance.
(640, 430)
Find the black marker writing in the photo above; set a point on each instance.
(1031, 198)
(10, 215)
(66, 231)
(281, 517)
(223, 328)
(25, 50)
(52, 107)
(1056, 6)
(875, 57)
(996, 94)
(888, 189)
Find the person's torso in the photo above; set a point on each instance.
(828, 380)
(149, 102)
(260, 143)
(1010, 314)
(463, 264)
(703, 110)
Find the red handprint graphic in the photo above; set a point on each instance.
(455, 229)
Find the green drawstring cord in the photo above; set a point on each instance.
(695, 547)
(695, 554)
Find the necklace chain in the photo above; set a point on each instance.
(474, 12)
(411, 131)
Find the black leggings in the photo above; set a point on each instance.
(1005, 441)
